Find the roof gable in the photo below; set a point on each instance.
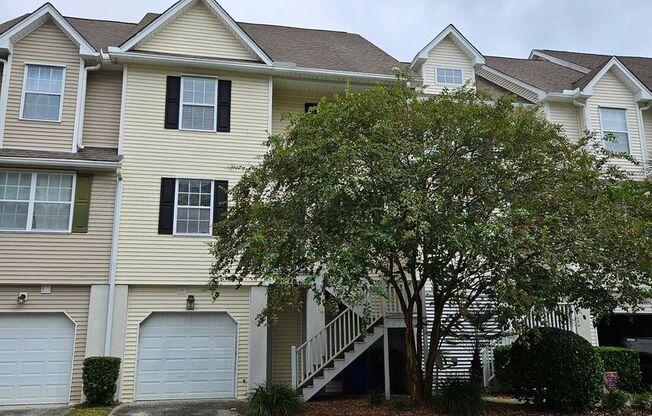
(172, 23)
(458, 39)
(640, 91)
(44, 13)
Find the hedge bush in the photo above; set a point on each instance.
(501, 363)
(556, 368)
(459, 397)
(626, 363)
(274, 400)
(100, 377)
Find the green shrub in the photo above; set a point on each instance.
(375, 397)
(460, 398)
(99, 377)
(501, 363)
(642, 401)
(274, 400)
(400, 403)
(615, 400)
(626, 363)
(556, 368)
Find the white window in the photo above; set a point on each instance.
(198, 103)
(614, 123)
(42, 93)
(449, 76)
(193, 213)
(36, 201)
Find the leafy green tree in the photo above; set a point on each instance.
(479, 199)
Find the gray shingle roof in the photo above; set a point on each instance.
(544, 75)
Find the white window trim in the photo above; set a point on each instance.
(176, 206)
(602, 131)
(181, 103)
(31, 202)
(22, 98)
(449, 67)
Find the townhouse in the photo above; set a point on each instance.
(118, 144)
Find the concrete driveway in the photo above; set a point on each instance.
(179, 408)
(34, 410)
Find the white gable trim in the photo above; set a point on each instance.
(181, 6)
(36, 19)
(458, 38)
(640, 91)
(541, 94)
(558, 61)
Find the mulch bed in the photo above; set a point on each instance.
(359, 406)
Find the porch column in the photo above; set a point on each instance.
(257, 339)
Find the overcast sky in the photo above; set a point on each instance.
(401, 27)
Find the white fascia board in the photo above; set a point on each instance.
(33, 21)
(558, 61)
(180, 7)
(469, 49)
(68, 163)
(118, 56)
(541, 94)
(640, 91)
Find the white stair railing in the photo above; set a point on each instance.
(336, 337)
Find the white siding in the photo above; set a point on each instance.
(647, 124)
(102, 109)
(516, 89)
(284, 334)
(446, 55)
(286, 102)
(567, 115)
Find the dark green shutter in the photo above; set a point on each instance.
(172, 99)
(220, 200)
(166, 206)
(224, 106)
(82, 203)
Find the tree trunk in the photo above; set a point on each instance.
(417, 391)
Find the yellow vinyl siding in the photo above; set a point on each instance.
(284, 334)
(72, 300)
(152, 152)
(45, 45)
(197, 32)
(609, 91)
(102, 109)
(286, 102)
(568, 116)
(143, 300)
(516, 89)
(55, 258)
(446, 55)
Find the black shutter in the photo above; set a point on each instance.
(166, 207)
(220, 200)
(308, 106)
(172, 98)
(224, 106)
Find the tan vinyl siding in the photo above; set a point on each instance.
(152, 152)
(567, 115)
(197, 32)
(55, 258)
(102, 109)
(284, 334)
(46, 45)
(609, 91)
(143, 300)
(647, 125)
(286, 102)
(72, 300)
(516, 89)
(446, 55)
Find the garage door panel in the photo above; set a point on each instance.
(186, 356)
(37, 358)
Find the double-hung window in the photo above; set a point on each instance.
(198, 104)
(36, 201)
(450, 76)
(614, 124)
(193, 214)
(42, 93)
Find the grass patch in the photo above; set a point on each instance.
(90, 411)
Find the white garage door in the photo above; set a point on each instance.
(35, 357)
(188, 355)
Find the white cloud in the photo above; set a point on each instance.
(495, 27)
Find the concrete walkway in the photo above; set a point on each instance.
(58, 410)
(178, 408)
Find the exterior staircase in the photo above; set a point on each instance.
(322, 357)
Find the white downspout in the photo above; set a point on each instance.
(643, 138)
(82, 103)
(113, 261)
(4, 88)
(585, 112)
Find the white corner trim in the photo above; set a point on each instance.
(270, 101)
(541, 94)
(123, 103)
(641, 127)
(469, 49)
(558, 61)
(641, 92)
(35, 19)
(180, 7)
(4, 94)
